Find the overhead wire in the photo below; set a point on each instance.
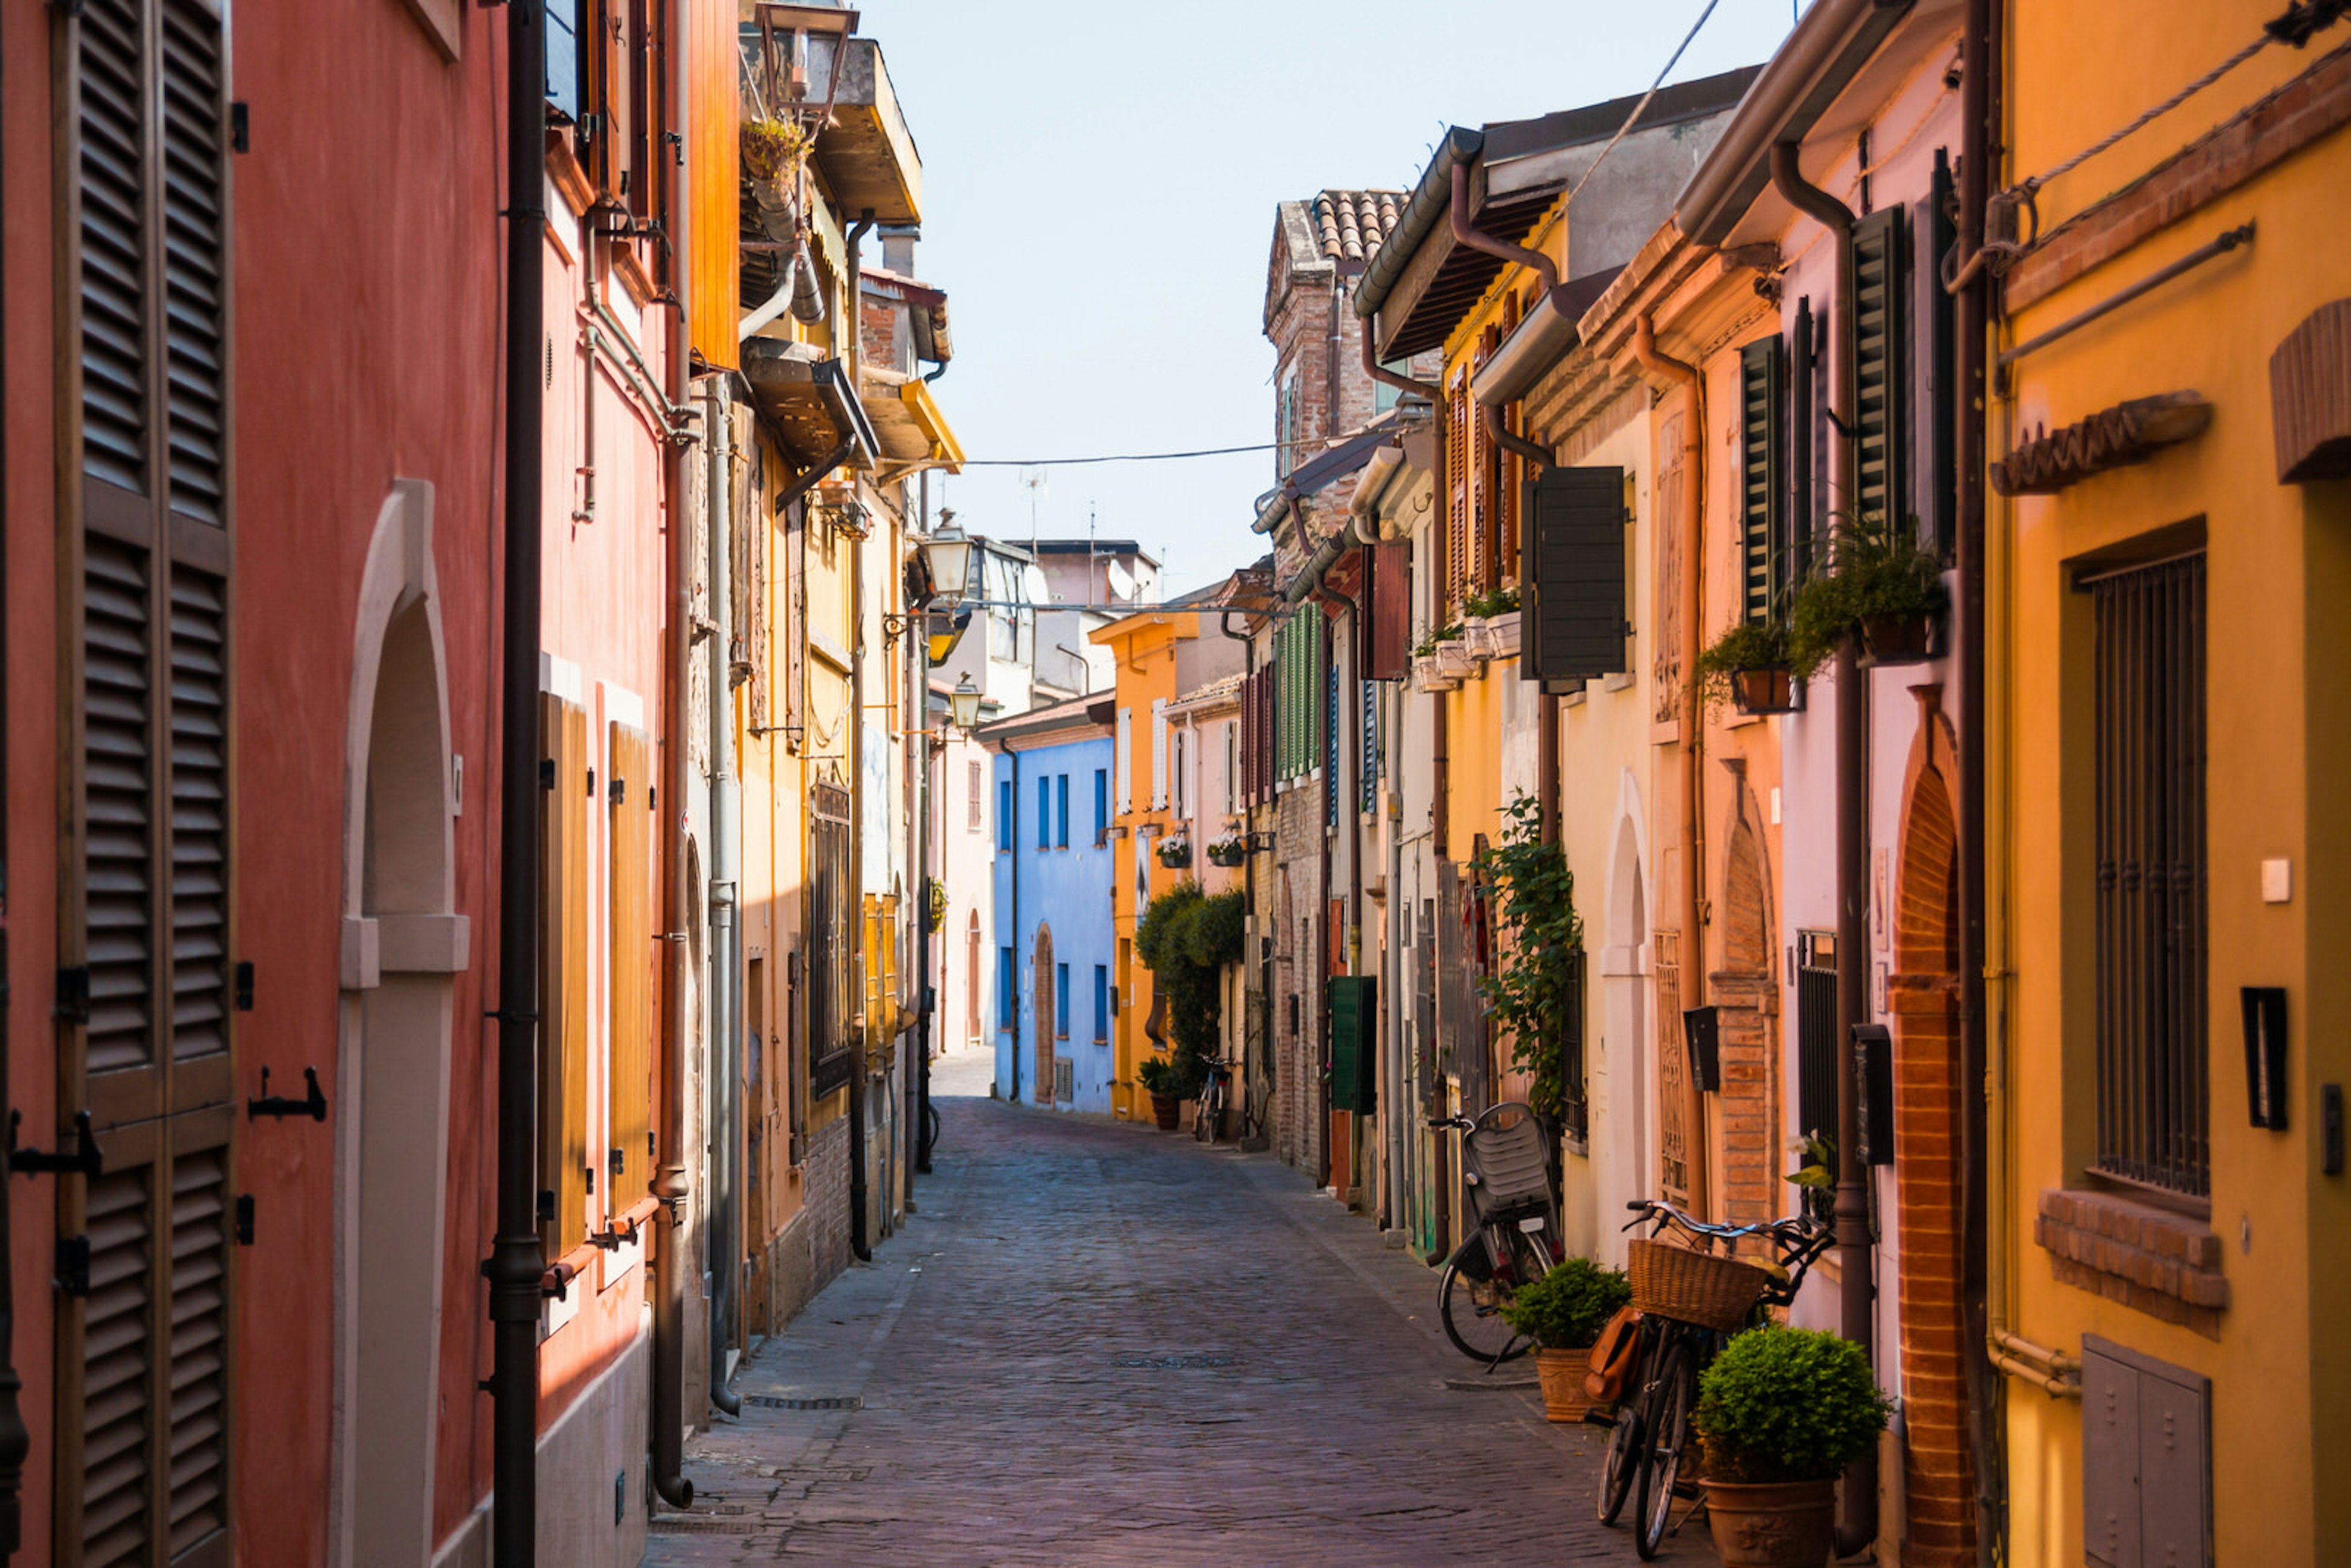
(1687, 38)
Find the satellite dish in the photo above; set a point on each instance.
(1032, 585)
(1122, 581)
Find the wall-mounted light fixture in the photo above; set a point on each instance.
(2264, 1013)
(1702, 1029)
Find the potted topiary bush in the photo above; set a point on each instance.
(1163, 1080)
(1783, 1412)
(1563, 1312)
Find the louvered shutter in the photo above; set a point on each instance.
(566, 782)
(1881, 299)
(1763, 543)
(1391, 618)
(142, 1415)
(1572, 592)
(611, 85)
(628, 1087)
(1457, 499)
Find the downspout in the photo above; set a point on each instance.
(1249, 858)
(1693, 719)
(1858, 1502)
(1393, 980)
(15, 1439)
(930, 992)
(1388, 378)
(669, 1184)
(726, 870)
(1322, 955)
(860, 1242)
(1012, 1055)
(516, 1266)
(1981, 1321)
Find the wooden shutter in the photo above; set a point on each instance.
(832, 941)
(628, 1088)
(1391, 619)
(1881, 299)
(1354, 1035)
(1943, 359)
(1763, 543)
(610, 129)
(1572, 592)
(141, 1410)
(566, 782)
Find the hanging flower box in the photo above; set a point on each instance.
(1502, 632)
(1227, 852)
(1771, 689)
(1426, 678)
(1176, 854)
(1454, 659)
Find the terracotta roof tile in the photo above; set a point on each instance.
(1351, 225)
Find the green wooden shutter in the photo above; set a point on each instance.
(1881, 299)
(1354, 1033)
(1761, 502)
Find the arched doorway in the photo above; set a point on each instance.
(1042, 980)
(1622, 1136)
(1747, 998)
(402, 942)
(1923, 998)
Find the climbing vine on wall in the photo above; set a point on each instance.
(1534, 980)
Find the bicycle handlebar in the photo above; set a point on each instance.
(1796, 1228)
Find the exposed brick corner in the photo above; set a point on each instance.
(2151, 1259)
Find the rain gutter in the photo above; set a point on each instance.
(1817, 62)
(1423, 211)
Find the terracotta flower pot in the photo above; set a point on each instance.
(1561, 1374)
(1166, 1109)
(1897, 639)
(1767, 690)
(1781, 1524)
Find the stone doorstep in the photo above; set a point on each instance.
(2164, 1264)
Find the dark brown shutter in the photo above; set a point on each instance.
(142, 1392)
(1880, 297)
(1760, 500)
(1391, 639)
(1572, 592)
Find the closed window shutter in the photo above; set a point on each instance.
(1391, 618)
(614, 135)
(630, 1089)
(567, 783)
(1880, 272)
(1762, 542)
(141, 1394)
(1457, 498)
(1571, 604)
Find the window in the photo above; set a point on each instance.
(1006, 999)
(979, 799)
(2151, 1119)
(1061, 810)
(629, 1086)
(1101, 1004)
(1816, 1038)
(1101, 807)
(1158, 754)
(1060, 1001)
(1232, 769)
(1044, 813)
(1285, 426)
(1004, 814)
(1123, 761)
(1761, 503)
(1183, 758)
(832, 945)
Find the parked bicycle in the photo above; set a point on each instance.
(1691, 1301)
(1207, 1122)
(1509, 1183)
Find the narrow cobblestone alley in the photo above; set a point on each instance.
(1101, 1345)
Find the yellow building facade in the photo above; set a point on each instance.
(2172, 546)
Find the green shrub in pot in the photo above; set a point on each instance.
(1568, 1307)
(1788, 1405)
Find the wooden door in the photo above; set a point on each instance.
(1042, 980)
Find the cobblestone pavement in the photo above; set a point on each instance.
(1097, 1343)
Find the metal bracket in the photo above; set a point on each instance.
(86, 1158)
(313, 1104)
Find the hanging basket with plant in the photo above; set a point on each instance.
(1563, 1314)
(1750, 664)
(773, 150)
(1878, 584)
(1783, 1412)
(1228, 852)
(1176, 854)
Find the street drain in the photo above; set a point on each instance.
(702, 1525)
(1175, 1363)
(770, 1402)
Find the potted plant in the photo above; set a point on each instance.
(1229, 852)
(1563, 1312)
(1817, 1176)
(1783, 1412)
(1159, 1080)
(1879, 583)
(1751, 664)
(1176, 854)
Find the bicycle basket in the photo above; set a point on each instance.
(1693, 1287)
(1510, 1164)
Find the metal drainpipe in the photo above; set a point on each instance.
(1388, 378)
(1979, 110)
(1321, 954)
(1393, 980)
(15, 1439)
(1858, 1503)
(1012, 1056)
(720, 1229)
(514, 1267)
(930, 993)
(1693, 741)
(1249, 859)
(853, 314)
(669, 1184)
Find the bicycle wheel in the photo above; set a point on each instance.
(1211, 1110)
(930, 1129)
(1676, 1395)
(1623, 1460)
(1470, 1307)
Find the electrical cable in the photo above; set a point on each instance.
(1687, 38)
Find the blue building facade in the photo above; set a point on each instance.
(1053, 865)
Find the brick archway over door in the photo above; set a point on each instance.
(1923, 996)
(1747, 997)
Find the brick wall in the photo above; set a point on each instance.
(1298, 850)
(827, 1203)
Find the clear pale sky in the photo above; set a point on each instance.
(1099, 191)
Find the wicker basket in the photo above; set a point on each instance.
(1695, 1287)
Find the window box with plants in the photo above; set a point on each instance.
(1490, 624)
(1563, 1314)
(1753, 666)
(1228, 852)
(1440, 659)
(1783, 1412)
(1879, 584)
(1176, 854)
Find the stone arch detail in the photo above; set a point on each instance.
(1746, 995)
(1922, 996)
